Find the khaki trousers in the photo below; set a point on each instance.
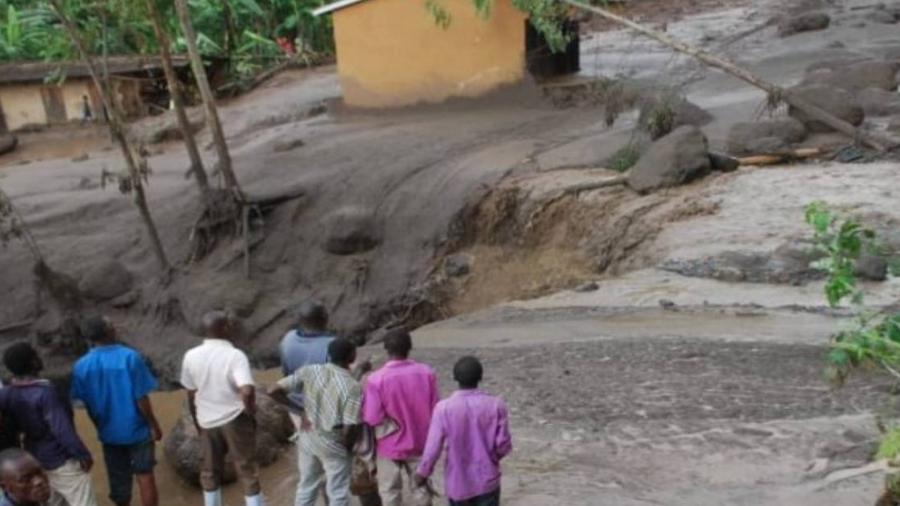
(236, 438)
(391, 474)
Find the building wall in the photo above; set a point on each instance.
(23, 104)
(391, 52)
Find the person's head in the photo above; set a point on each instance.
(312, 316)
(219, 325)
(84, 97)
(342, 352)
(468, 372)
(398, 343)
(98, 330)
(22, 360)
(23, 478)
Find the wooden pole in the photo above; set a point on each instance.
(117, 129)
(212, 115)
(177, 96)
(878, 142)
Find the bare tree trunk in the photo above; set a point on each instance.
(212, 115)
(878, 142)
(117, 129)
(175, 92)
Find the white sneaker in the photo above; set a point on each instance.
(213, 498)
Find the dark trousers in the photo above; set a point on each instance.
(236, 438)
(491, 499)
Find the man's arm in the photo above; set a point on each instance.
(248, 397)
(242, 376)
(502, 438)
(145, 407)
(372, 408)
(192, 407)
(59, 420)
(434, 445)
(292, 383)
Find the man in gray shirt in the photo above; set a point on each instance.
(307, 344)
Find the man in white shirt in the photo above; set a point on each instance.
(222, 399)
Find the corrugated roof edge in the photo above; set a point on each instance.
(335, 6)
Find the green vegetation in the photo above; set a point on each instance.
(873, 339)
(250, 34)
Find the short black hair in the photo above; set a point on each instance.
(341, 351)
(468, 372)
(95, 329)
(313, 315)
(398, 342)
(22, 359)
(11, 456)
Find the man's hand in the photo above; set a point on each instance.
(156, 432)
(86, 464)
(420, 481)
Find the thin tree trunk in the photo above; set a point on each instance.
(117, 129)
(212, 115)
(878, 142)
(175, 92)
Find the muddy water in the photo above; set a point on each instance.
(278, 480)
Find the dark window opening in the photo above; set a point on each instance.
(542, 62)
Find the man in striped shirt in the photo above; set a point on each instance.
(332, 402)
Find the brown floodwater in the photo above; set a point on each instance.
(278, 480)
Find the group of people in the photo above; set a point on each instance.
(387, 427)
(45, 461)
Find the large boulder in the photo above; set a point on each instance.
(8, 143)
(806, 22)
(833, 100)
(878, 102)
(661, 114)
(106, 281)
(183, 450)
(859, 76)
(744, 138)
(677, 158)
(350, 230)
(894, 125)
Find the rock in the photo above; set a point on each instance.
(666, 304)
(882, 16)
(458, 265)
(723, 163)
(835, 101)
(807, 22)
(85, 183)
(232, 293)
(767, 146)
(742, 136)
(287, 145)
(877, 102)
(8, 143)
(894, 125)
(80, 158)
(106, 280)
(871, 267)
(675, 159)
(350, 230)
(858, 76)
(127, 300)
(183, 451)
(169, 130)
(590, 286)
(661, 114)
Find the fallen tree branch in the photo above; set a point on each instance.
(879, 142)
(14, 326)
(594, 185)
(778, 158)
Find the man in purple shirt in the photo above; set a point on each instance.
(402, 394)
(474, 428)
(34, 408)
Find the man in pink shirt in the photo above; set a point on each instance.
(398, 400)
(474, 428)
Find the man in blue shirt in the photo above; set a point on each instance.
(32, 407)
(114, 383)
(307, 344)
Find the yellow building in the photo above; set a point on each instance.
(393, 53)
(35, 94)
